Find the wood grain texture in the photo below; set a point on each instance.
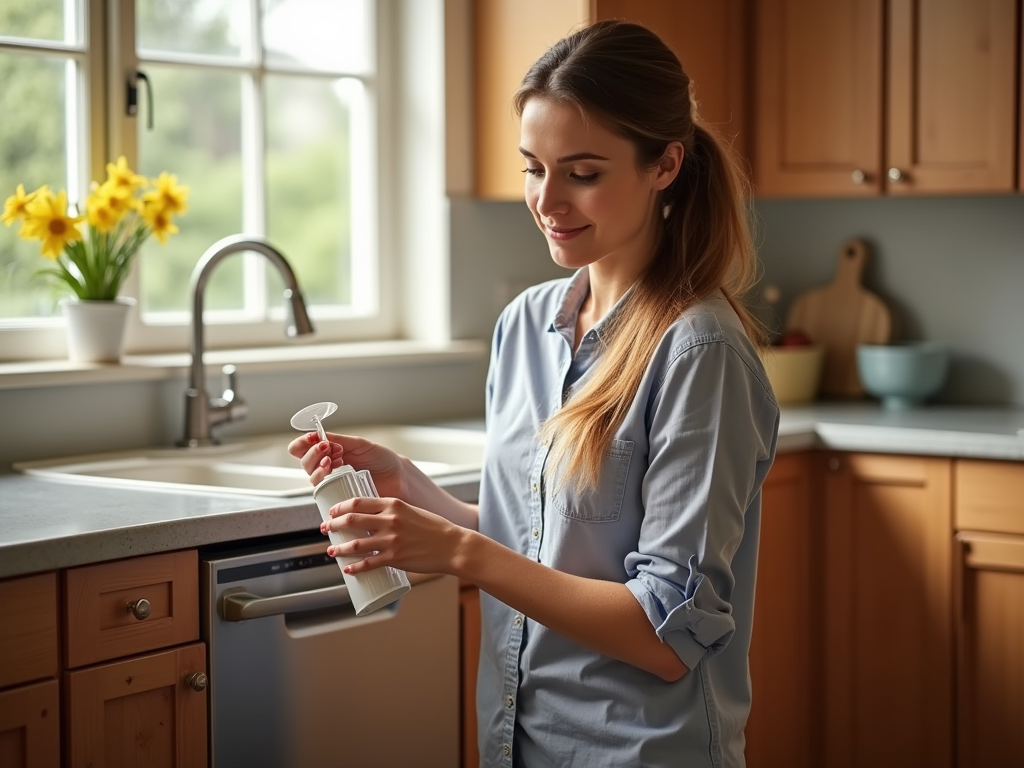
(139, 712)
(28, 628)
(990, 496)
(100, 628)
(839, 316)
(818, 89)
(990, 664)
(887, 611)
(508, 37)
(30, 726)
(961, 49)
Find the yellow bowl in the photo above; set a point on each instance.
(794, 372)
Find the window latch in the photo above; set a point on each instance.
(133, 97)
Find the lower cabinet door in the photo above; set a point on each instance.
(145, 711)
(990, 639)
(30, 726)
(782, 716)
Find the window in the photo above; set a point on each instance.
(267, 110)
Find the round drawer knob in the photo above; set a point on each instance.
(859, 177)
(895, 174)
(197, 681)
(833, 464)
(139, 609)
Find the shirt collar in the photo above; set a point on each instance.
(572, 300)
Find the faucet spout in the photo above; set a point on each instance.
(201, 412)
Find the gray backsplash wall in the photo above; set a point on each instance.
(951, 270)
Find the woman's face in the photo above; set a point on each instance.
(585, 191)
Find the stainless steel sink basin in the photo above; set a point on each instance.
(258, 466)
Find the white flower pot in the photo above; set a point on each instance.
(96, 329)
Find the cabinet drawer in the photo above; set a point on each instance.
(28, 629)
(989, 496)
(98, 611)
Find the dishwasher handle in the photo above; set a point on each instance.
(241, 605)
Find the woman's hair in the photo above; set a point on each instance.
(624, 77)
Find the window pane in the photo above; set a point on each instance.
(309, 182)
(34, 19)
(207, 27)
(197, 137)
(32, 152)
(327, 35)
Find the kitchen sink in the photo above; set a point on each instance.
(258, 466)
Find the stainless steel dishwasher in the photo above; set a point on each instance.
(297, 679)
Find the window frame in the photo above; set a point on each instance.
(108, 60)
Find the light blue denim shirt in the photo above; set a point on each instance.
(676, 519)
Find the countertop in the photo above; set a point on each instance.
(47, 524)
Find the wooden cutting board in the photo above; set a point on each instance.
(839, 316)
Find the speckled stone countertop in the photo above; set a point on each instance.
(47, 524)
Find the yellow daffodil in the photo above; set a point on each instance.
(47, 219)
(104, 210)
(159, 221)
(122, 213)
(123, 178)
(14, 207)
(167, 195)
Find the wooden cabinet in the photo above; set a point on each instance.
(990, 614)
(123, 708)
(860, 97)
(887, 611)
(818, 97)
(29, 697)
(145, 710)
(783, 652)
(510, 35)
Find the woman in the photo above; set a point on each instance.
(630, 426)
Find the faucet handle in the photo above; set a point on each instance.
(230, 383)
(229, 406)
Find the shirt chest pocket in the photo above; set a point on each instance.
(603, 504)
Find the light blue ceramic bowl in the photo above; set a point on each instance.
(902, 375)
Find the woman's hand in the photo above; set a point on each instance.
(319, 458)
(399, 535)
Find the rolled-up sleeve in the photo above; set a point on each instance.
(711, 439)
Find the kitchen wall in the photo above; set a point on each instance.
(951, 270)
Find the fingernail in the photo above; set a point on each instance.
(325, 462)
(347, 569)
(324, 445)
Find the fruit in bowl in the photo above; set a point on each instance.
(902, 375)
(794, 365)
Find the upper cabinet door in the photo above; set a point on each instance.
(711, 40)
(819, 92)
(508, 37)
(952, 96)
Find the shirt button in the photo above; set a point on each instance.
(536, 533)
(509, 702)
(518, 622)
(506, 749)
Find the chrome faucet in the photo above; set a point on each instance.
(202, 412)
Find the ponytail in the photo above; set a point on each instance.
(625, 75)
